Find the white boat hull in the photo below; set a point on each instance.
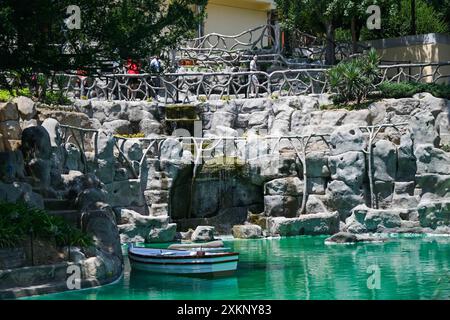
(189, 263)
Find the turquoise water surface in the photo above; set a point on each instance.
(303, 268)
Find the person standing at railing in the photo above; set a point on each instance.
(133, 68)
(254, 83)
(81, 81)
(155, 65)
(156, 69)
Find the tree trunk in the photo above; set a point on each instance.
(330, 51)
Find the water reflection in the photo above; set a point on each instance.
(303, 268)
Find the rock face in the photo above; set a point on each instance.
(432, 160)
(36, 147)
(108, 261)
(347, 138)
(247, 231)
(343, 237)
(134, 227)
(26, 107)
(166, 234)
(434, 214)
(364, 219)
(270, 178)
(9, 121)
(310, 224)
(203, 233)
(349, 238)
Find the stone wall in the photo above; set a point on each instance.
(38, 168)
(407, 162)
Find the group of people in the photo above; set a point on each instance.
(134, 67)
(155, 66)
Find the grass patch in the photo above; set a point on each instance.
(218, 164)
(350, 106)
(17, 220)
(130, 136)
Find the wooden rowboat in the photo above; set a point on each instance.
(183, 262)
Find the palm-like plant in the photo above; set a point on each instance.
(354, 79)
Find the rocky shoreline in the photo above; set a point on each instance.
(287, 167)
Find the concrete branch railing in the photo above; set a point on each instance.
(223, 147)
(432, 72)
(86, 140)
(191, 87)
(218, 49)
(228, 48)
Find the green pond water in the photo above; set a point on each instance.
(303, 268)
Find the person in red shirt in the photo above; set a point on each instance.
(82, 81)
(133, 67)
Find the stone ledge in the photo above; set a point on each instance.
(56, 287)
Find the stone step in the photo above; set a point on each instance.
(160, 184)
(57, 204)
(159, 209)
(156, 196)
(13, 279)
(158, 175)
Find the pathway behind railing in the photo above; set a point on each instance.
(190, 87)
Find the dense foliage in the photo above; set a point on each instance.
(408, 89)
(34, 36)
(354, 79)
(18, 221)
(396, 20)
(337, 20)
(6, 95)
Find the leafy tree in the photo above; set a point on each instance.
(396, 20)
(34, 37)
(355, 16)
(326, 16)
(443, 7)
(312, 16)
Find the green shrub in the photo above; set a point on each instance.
(408, 89)
(6, 95)
(56, 98)
(354, 79)
(17, 220)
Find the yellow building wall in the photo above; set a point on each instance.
(417, 53)
(420, 53)
(233, 17)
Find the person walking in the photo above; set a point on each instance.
(254, 83)
(156, 69)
